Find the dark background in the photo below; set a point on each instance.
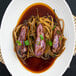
(70, 71)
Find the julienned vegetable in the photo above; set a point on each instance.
(41, 37)
(50, 43)
(18, 42)
(26, 43)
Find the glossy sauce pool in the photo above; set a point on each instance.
(33, 64)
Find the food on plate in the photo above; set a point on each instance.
(38, 37)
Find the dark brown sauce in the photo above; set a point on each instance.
(33, 64)
(38, 65)
(43, 10)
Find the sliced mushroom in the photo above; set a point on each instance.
(40, 44)
(22, 37)
(57, 41)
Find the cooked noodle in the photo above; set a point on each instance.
(48, 24)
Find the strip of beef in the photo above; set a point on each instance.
(40, 44)
(22, 37)
(57, 41)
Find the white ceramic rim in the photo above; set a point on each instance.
(74, 37)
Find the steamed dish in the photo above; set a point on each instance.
(39, 38)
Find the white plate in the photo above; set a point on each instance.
(9, 21)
